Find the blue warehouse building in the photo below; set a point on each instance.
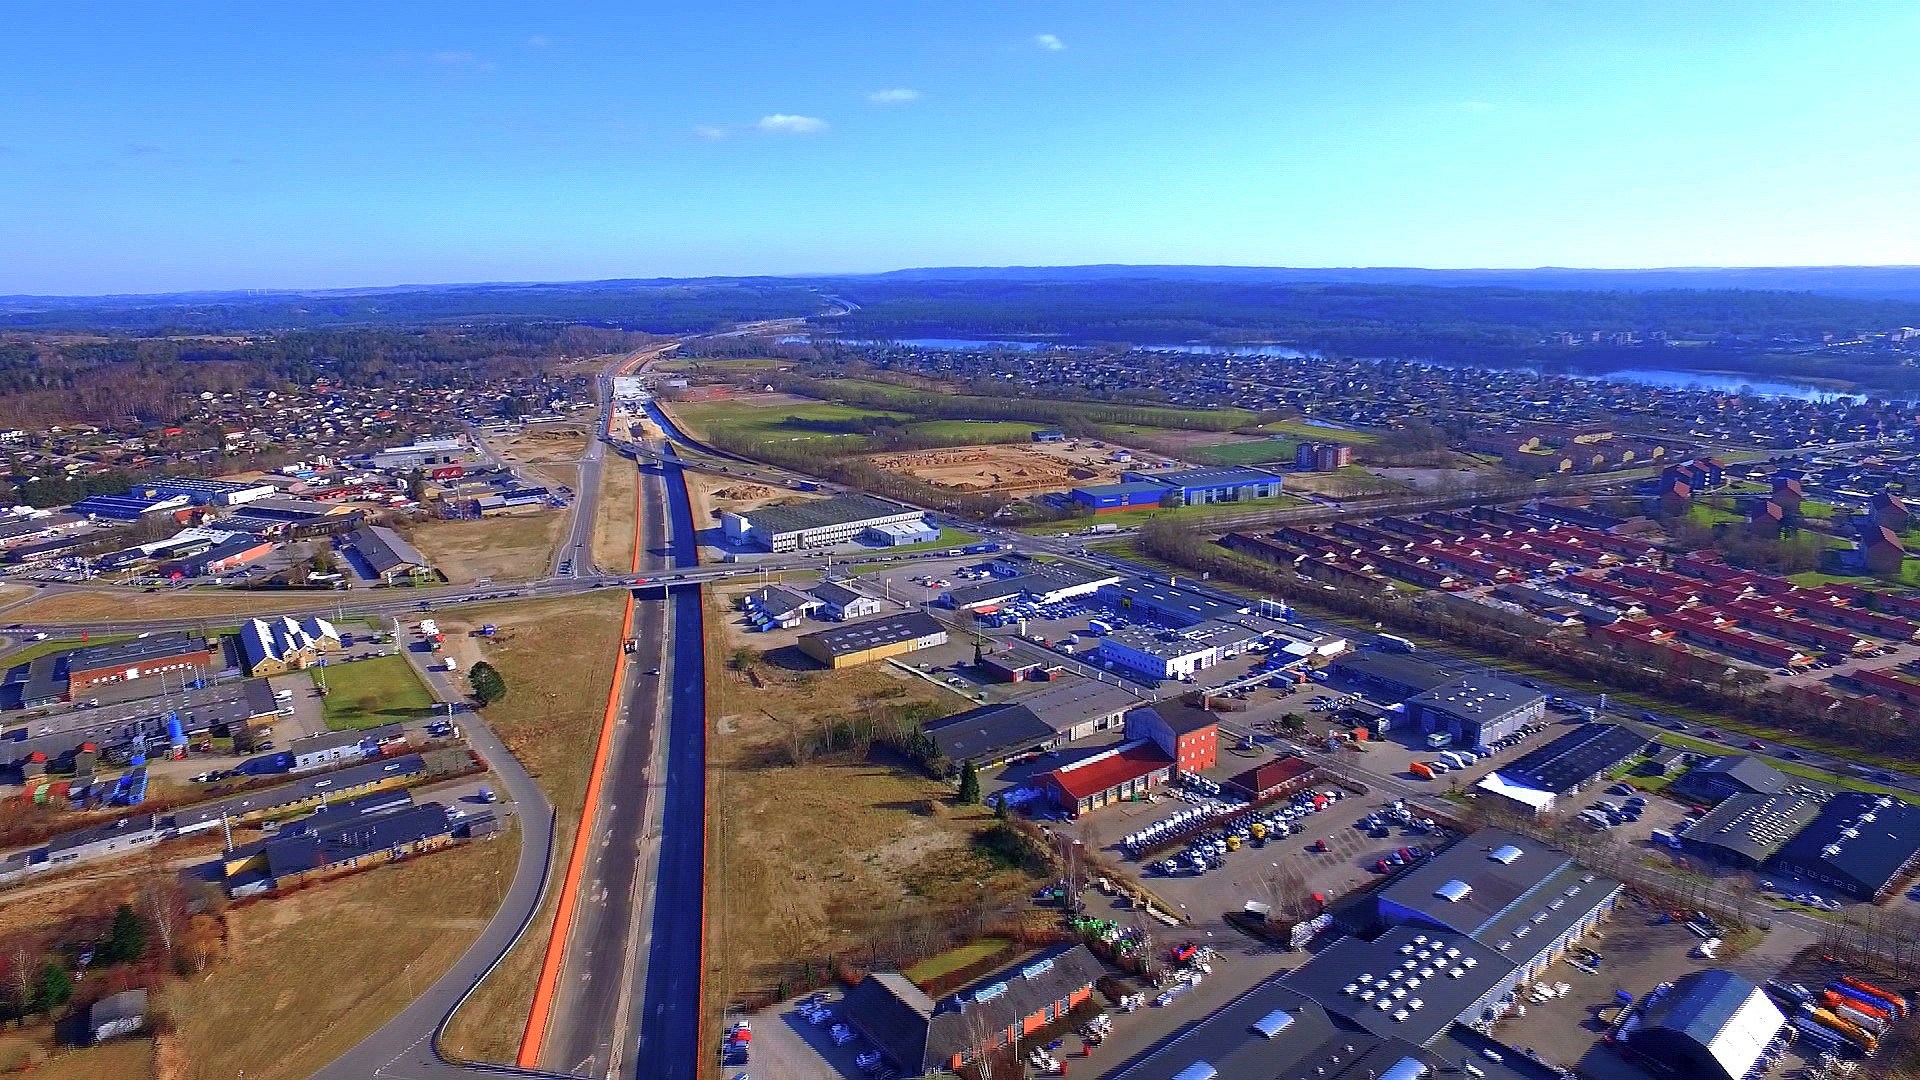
(1202, 487)
(1109, 498)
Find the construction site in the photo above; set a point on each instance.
(1012, 468)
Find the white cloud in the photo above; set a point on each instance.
(1049, 42)
(709, 132)
(791, 124)
(899, 95)
(453, 56)
(540, 41)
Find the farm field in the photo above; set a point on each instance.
(1198, 515)
(791, 419)
(368, 693)
(111, 605)
(967, 432)
(1244, 452)
(550, 720)
(1300, 429)
(511, 548)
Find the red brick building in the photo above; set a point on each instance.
(1188, 734)
(121, 661)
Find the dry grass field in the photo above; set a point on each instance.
(111, 605)
(512, 548)
(308, 975)
(810, 855)
(614, 512)
(550, 720)
(550, 453)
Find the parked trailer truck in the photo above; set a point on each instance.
(1841, 993)
(1854, 1033)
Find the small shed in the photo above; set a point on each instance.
(118, 1015)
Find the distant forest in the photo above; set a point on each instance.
(155, 380)
(660, 307)
(1334, 315)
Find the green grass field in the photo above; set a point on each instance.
(1159, 416)
(1127, 519)
(1300, 429)
(368, 693)
(1702, 514)
(1261, 452)
(966, 432)
(953, 960)
(1814, 579)
(778, 422)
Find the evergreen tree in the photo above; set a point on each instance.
(127, 939)
(969, 784)
(53, 989)
(487, 683)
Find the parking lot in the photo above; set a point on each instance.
(1638, 951)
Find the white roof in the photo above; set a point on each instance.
(1496, 784)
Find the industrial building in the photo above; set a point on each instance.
(991, 735)
(420, 453)
(312, 791)
(1114, 498)
(1746, 830)
(1390, 675)
(175, 653)
(1708, 1025)
(1167, 603)
(1524, 899)
(776, 607)
(1044, 583)
(1076, 708)
(1206, 486)
(384, 555)
(1534, 780)
(278, 645)
(816, 523)
(1721, 777)
(1127, 770)
(324, 748)
(842, 603)
(1275, 1033)
(129, 507)
(205, 492)
(1476, 710)
(338, 847)
(1865, 845)
(875, 639)
(1156, 654)
(900, 533)
(1188, 734)
(920, 1036)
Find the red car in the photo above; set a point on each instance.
(1756, 744)
(1184, 953)
(1317, 845)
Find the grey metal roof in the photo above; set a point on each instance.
(1018, 991)
(1710, 1024)
(125, 1005)
(1877, 837)
(1753, 826)
(253, 802)
(133, 826)
(158, 646)
(778, 600)
(836, 594)
(987, 731)
(1741, 771)
(1405, 964)
(1494, 886)
(383, 549)
(822, 513)
(892, 1012)
(332, 844)
(1573, 758)
(1392, 668)
(1212, 477)
(1478, 698)
(873, 633)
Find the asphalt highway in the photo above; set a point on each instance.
(585, 1025)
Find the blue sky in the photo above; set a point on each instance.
(148, 147)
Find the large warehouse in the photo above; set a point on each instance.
(1746, 830)
(816, 523)
(1534, 780)
(1865, 845)
(1709, 1025)
(1477, 710)
(876, 639)
(1113, 498)
(1200, 487)
(174, 653)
